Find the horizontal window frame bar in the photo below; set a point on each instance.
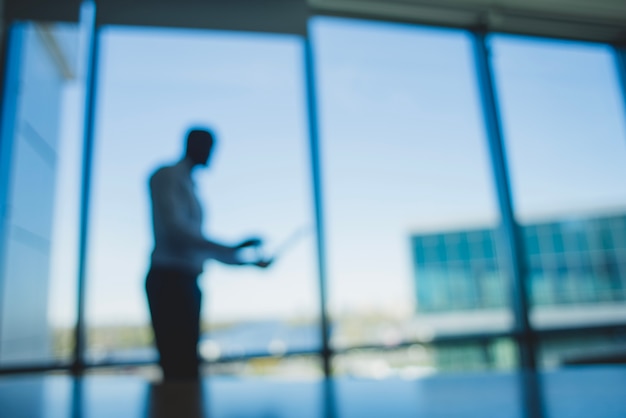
(440, 340)
(485, 24)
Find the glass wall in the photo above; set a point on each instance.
(599, 346)
(292, 367)
(419, 360)
(154, 86)
(41, 137)
(415, 269)
(409, 204)
(563, 121)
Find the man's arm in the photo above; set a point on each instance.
(174, 223)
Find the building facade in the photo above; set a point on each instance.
(577, 261)
(30, 139)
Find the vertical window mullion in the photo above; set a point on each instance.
(89, 9)
(317, 199)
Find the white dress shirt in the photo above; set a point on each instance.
(177, 219)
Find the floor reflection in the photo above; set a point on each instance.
(530, 391)
(329, 396)
(76, 399)
(176, 399)
(570, 392)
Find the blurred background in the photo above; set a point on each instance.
(456, 181)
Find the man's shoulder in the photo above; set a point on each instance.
(163, 174)
(163, 170)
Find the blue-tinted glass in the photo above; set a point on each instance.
(618, 229)
(464, 250)
(563, 122)
(418, 250)
(41, 144)
(557, 239)
(582, 241)
(531, 241)
(441, 248)
(544, 238)
(574, 237)
(539, 286)
(488, 244)
(451, 243)
(424, 293)
(249, 89)
(606, 236)
(404, 155)
(594, 236)
(475, 239)
(429, 243)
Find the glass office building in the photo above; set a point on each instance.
(577, 261)
(576, 276)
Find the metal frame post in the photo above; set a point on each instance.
(309, 69)
(619, 52)
(12, 50)
(620, 67)
(91, 70)
(510, 234)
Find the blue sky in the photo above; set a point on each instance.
(402, 145)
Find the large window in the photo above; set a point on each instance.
(408, 193)
(249, 89)
(564, 127)
(39, 192)
(415, 272)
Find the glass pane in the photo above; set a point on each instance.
(410, 211)
(296, 367)
(42, 137)
(584, 348)
(564, 126)
(154, 85)
(420, 360)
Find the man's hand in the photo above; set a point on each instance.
(264, 263)
(251, 242)
(254, 254)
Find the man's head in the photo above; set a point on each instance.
(199, 146)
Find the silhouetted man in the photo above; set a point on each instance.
(180, 250)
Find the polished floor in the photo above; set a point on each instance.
(585, 392)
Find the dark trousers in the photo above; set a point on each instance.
(174, 299)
